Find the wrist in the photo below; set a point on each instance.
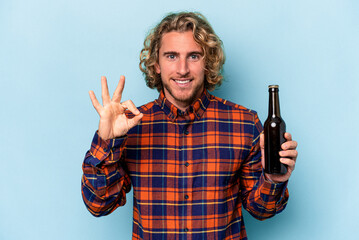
(102, 136)
(269, 178)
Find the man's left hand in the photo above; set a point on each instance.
(288, 157)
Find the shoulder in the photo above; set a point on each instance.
(242, 118)
(223, 105)
(147, 109)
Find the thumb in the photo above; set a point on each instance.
(135, 120)
(261, 141)
(261, 144)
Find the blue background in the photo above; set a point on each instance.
(53, 52)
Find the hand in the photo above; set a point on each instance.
(113, 121)
(288, 157)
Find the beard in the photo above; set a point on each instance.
(184, 95)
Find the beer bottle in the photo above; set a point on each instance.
(274, 129)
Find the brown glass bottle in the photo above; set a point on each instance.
(274, 129)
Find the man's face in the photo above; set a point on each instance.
(181, 66)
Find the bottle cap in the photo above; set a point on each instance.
(273, 86)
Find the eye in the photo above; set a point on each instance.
(194, 56)
(171, 56)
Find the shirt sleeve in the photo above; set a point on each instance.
(105, 181)
(260, 197)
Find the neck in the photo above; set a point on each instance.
(183, 103)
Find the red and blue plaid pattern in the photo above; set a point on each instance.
(191, 172)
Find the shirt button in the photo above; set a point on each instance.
(186, 229)
(186, 196)
(105, 149)
(186, 132)
(186, 164)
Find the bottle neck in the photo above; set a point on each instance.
(274, 109)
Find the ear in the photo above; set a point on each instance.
(157, 68)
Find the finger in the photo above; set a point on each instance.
(135, 120)
(289, 145)
(289, 153)
(95, 102)
(288, 136)
(130, 106)
(117, 95)
(261, 141)
(289, 162)
(261, 144)
(105, 94)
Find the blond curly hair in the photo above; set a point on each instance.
(203, 34)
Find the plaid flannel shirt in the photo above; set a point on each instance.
(191, 172)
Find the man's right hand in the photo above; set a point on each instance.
(113, 121)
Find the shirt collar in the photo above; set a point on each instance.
(194, 111)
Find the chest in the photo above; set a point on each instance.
(200, 153)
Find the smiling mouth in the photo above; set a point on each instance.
(182, 81)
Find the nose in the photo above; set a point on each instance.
(182, 67)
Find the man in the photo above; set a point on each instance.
(193, 159)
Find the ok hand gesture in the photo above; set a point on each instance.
(113, 121)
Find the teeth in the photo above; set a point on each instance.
(182, 81)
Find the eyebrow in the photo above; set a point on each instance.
(196, 52)
(170, 52)
(176, 53)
